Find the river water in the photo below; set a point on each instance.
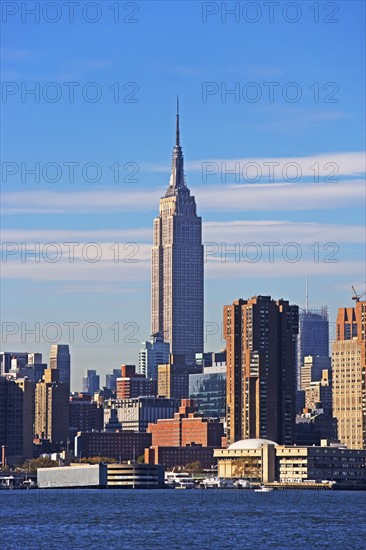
(188, 519)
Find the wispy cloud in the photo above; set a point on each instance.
(234, 198)
(214, 231)
(15, 54)
(347, 164)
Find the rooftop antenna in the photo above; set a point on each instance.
(306, 292)
(177, 137)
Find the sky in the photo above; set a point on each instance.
(273, 134)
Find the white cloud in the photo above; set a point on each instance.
(346, 164)
(216, 198)
(282, 231)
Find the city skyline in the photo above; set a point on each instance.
(223, 132)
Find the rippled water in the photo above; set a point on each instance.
(168, 519)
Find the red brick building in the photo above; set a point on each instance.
(186, 438)
(187, 428)
(132, 385)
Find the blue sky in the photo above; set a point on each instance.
(312, 124)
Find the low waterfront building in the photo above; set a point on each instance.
(122, 445)
(135, 476)
(333, 463)
(266, 461)
(252, 459)
(76, 476)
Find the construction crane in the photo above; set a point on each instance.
(356, 296)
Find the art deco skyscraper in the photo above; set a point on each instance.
(177, 265)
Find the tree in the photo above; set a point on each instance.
(31, 466)
(140, 459)
(97, 460)
(193, 467)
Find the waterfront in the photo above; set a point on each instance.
(212, 519)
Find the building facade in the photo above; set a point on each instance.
(173, 378)
(187, 428)
(122, 446)
(91, 382)
(153, 353)
(60, 360)
(131, 385)
(136, 414)
(110, 379)
(260, 336)
(16, 419)
(85, 414)
(135, 476)
(349, 375)
(52, 408)
(208, 389)
(266, 461)
(177, 266)
(313, 337)
(172, 457)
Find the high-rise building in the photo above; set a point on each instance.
(313, 337)
(131, 385)
(320, 393)
(90, 382)
(177, 266)
(6, 358)
(85, 415)
(173, 377)
(135, 414)
(348, 373)
(312, 369)
(60, 360)
(208, 390)
(110, 379)
(16, 419)
(153, 353)
(52, 408)
(260, 336)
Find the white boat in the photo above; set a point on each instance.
(179, 480)
(216, 482)
(242, 484)
(263, 489)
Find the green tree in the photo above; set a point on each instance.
(31, 466)
(193, 467)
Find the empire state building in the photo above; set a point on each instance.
(177, 265)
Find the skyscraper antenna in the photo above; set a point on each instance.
(177, 138)
(306, 292)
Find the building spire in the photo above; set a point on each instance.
(177, 183)
(307, 293)
(177, 137)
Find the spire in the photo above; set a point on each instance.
(307, 293)
(177, 138)
(177, 182)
